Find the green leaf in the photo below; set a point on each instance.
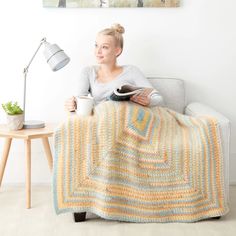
(12, 108)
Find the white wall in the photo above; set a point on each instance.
(195, 42)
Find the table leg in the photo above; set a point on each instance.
(48, 152)
(28, 172)
(6, 150)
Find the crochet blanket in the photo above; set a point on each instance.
(132, 163)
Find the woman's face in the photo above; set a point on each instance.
(106, 50)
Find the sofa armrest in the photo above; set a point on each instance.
(197, 109)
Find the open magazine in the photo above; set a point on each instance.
(125, 92)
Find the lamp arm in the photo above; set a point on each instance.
(41, 43)
(26, 71)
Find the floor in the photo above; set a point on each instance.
(41, 219)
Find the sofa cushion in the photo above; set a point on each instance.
(172, 90)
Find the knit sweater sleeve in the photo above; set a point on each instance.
(83, 88)
(140, 80)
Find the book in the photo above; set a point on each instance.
(125, 92)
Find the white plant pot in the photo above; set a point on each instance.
(15, 122)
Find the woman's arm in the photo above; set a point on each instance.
(148, 97)
(83, 82)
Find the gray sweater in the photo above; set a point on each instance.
(102, 91)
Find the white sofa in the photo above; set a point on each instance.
(173, 92)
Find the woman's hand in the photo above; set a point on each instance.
(70, 104)
(142, 97)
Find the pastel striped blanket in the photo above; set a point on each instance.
(138, 164)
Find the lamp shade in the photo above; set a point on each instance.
(55, 56)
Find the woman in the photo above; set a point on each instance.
(102, 79)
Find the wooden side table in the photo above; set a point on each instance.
(26, 135)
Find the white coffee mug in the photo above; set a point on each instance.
(84, 105)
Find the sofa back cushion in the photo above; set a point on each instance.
(172, 90)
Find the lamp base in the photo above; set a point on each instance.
(33, 124)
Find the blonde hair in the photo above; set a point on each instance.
(115, 31)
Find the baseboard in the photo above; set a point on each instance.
(23, 184)
(232, 183)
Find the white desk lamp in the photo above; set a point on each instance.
(57, 59)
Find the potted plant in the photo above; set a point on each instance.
(15, 115)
